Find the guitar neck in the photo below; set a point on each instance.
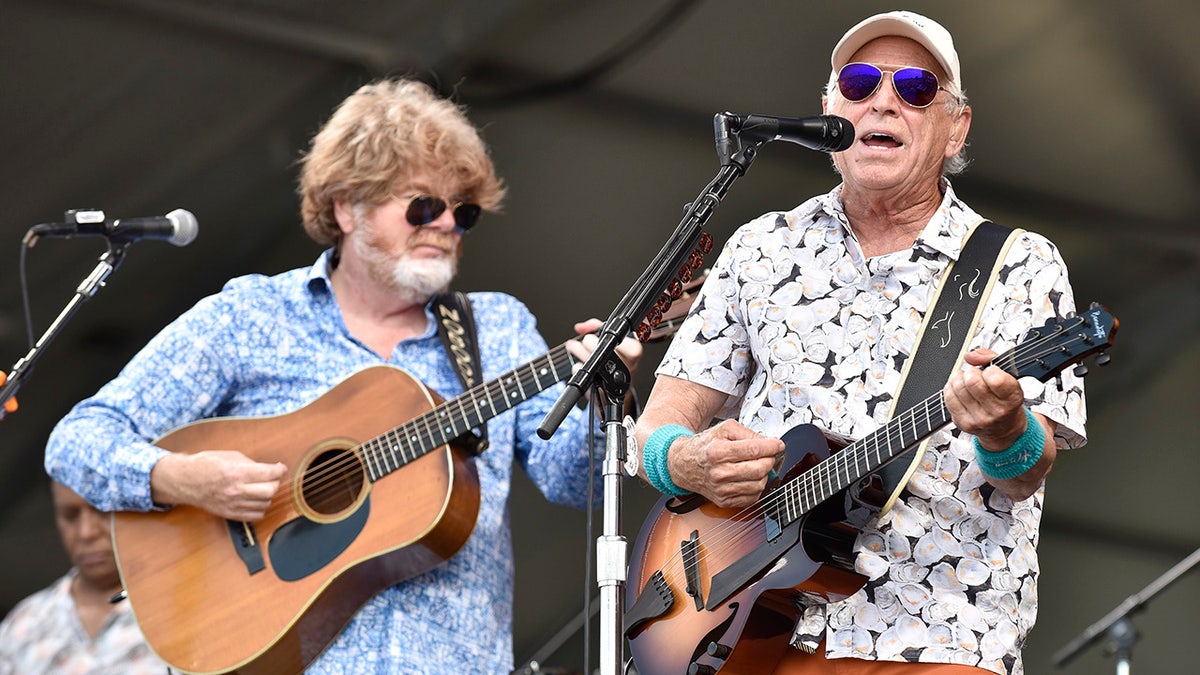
(843, 469)
(394, 449)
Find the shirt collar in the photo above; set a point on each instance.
(943, 233)
(318, 280)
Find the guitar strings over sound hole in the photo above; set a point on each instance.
(333, 481)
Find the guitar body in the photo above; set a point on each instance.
(212, 595)
(749, 577)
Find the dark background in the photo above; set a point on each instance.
(599, 116)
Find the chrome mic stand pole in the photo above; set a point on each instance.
(1118, 626)
(610, 547)
(611, 565)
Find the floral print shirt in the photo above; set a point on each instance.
(43, 634)
(270, 345)
(798, 327)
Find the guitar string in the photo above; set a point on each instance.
(329, 476)
(406, 443)
(832, 467)
(375, 452)
(731, 532)
(837, 462)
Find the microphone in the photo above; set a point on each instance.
(824, 133)
(178, 227)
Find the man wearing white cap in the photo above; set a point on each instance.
(810, 316)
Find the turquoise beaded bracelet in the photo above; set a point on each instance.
(1017, 458)
(654, 458)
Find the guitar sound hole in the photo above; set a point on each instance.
(333, 481)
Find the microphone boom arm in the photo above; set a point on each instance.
(640, 297)
(108, 262)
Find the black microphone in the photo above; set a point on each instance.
(824, 133)
(178, 227)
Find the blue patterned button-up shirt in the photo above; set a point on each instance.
(270, 345)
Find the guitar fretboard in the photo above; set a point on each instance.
(417, 437)
(842, 469)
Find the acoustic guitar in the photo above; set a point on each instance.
(715, 590)
(377, 491)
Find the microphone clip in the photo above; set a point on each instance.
(85, 222)
(730, 149)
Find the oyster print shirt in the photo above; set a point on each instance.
(798, 327)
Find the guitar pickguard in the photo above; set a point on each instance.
(301, 546)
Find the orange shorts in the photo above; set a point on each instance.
(796, 662)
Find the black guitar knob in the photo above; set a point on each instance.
(718, 650)
(1080, 370)
(1102, 359)
(701, 669)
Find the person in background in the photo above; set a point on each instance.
(74, 626)
(808, 317)
(391, 185)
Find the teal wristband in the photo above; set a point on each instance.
(1017, 458)
(654, 458)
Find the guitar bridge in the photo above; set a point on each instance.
(245, 544)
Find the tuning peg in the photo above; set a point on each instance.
(1071, 315)
(1094, 305)
(1080, 370)
(1102, 359)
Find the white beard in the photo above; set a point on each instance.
(424, 278)
(414, 279)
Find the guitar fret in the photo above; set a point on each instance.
(464, 412)
(394, 449)
(446, 424)
(520, 388)
(388, 447)
(372, 459)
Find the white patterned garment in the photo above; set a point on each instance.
(43, 634)
(798, 328)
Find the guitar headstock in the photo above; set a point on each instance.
(1047, 350)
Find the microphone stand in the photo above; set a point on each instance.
(672, 258)
(1117, 624)
(86, 289)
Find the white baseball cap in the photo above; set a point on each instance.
(929, 33)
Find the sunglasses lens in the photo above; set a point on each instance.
(917, 86)
(423, 210)
(857, 81)
(466, 215)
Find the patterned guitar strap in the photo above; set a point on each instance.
(943, 339)
(456, 328)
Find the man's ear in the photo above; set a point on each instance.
(958, 131)
(343, 212)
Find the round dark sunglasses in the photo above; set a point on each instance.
(424, 209)
(915, 86)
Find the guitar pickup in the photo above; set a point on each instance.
(689, 549)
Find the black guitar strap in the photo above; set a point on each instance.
(943, 338)
(456, 328)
